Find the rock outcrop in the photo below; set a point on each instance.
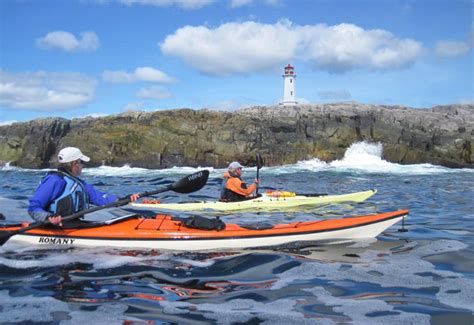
(442, 135)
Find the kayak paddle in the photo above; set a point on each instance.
(188, 184)
(259, 161)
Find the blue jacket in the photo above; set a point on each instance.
(51, 187)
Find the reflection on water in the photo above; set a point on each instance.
(421, 276)
(182, 286)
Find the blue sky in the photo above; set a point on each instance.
(77, 58)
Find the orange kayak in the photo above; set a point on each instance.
(165, 232)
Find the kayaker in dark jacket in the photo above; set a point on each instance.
(233, 188)
(62, 192)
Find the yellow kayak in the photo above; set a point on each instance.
(271, 200)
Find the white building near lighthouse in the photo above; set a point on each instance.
(289, 95)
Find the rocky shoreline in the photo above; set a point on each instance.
(441, 135)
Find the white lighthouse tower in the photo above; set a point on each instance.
(289, 95)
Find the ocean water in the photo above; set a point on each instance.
(423, 276)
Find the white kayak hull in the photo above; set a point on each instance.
(213, 240)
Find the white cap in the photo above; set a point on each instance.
(234, 165)
(70, 154)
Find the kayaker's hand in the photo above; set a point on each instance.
(134, 197)
(56, 220)
(257, 181)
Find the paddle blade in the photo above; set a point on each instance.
(191, 183)
(5, 237)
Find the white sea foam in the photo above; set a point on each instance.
(358, 309)
(8, 167)
(281, 311)
(194, 263)
(400, 270)
(360, 157)
(364, 157)
(127, 170)
(105, 314)
(285, 311)
(100, 258)
(48, 309)
(40, 309)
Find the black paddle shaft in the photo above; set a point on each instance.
(187, 184)
(259, 161)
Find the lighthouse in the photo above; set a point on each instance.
(289, 95)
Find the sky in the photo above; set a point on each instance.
(79, 58)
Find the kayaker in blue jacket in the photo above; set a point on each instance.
(62, 192)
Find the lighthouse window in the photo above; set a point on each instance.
(291, 93)
(291, 81)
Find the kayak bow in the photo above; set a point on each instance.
(162, 232)
(266, 202)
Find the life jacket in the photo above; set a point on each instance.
(234, 189)
(73, 198)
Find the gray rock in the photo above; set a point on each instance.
(442, 135)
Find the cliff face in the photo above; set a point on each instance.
(442, 135)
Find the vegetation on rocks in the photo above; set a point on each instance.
(442, 135)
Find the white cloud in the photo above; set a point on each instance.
(232, 47)
(226, 105)
(153, 92)
(470, 36)
(184, 4)
(3, 123)
(98, 2)
(239, 3)
(152, 75)
(249, 46)
(466, 101)
(66, 41)
(340, 94)
(140, 74)
(345, 47)
(94, 115)
(45, 91)
(302, 100)
(118, 76)
(273, 3)
(134, 106)
(451, 48)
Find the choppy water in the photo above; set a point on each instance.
(422, 276)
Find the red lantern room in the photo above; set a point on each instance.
(289, 70)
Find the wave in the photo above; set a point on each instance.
(8, 167)
(365, 157)
(127, 170)
(361, 157)
(123, 171)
